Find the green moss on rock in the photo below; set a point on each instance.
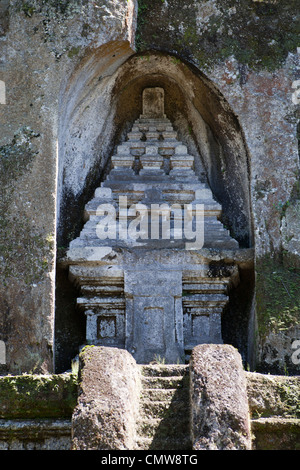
(73, 52)
(50, 7)
(258, 34)
(37, 396)
(273, 395)
(276, 434)
(277, 295)
(24, 254)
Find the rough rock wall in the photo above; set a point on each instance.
(41, 44)
(248, 49)
(36, 411)
(227, 41)
(62, 67)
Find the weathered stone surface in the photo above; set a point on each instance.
(219, 406)
(278, 351)
(274, 411)
(41, 45)
(276, 433)
(273, 395)
(154, 315)
(290, 234)
(151, 305)
(259, 83)
(36, 410)
(105, 415)
(217, 24)
(278, 314)
(35, 434)
(37, 396)
(153, 103)
(68, 80)
(164, 408)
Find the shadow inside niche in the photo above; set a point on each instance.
(69, 322)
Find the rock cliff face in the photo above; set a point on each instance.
(258, 78)
(42, 44)
(73, 75)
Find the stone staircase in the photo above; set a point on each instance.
(164, 421)
(145, 259)
(153, 167)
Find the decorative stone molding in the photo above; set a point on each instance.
(149, 306)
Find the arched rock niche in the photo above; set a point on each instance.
(99, 105)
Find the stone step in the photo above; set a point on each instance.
(164, 434)
(92, 237)
(164, 395)
(229, 244)
(171, 231)
(180, 244)
(157, 215)
(180, 443)
(209, 210)
(164, 418)
(144, 123)
(123, 238)
(169, 220)
(182, 198)
(80, 244)
(137, 147)
(90, 233)
(173, 426)
(152, 127)
(165, 183)
(164, 370)
(174, 382)
(161, 409)
(275, 433)
(163, 187)
(148, 243)
(34, 429)
(138, 139)
(122, 176)
(157, 198)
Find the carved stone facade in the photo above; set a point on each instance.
(145, 285)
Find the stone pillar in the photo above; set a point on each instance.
(203, 304)
(219, 403)
(106, 412)
(102, 301)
